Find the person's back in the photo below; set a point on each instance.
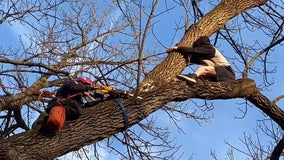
(217, 60)
(72, 89)
(67, 105)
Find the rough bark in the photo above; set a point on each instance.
(105, 119)
(16, 101)
(278, 150)
(269, 108)
(158, 88)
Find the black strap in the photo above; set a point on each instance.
(124, 112)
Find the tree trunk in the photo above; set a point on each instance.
(158, 88)
(106, 119)
(174, 64)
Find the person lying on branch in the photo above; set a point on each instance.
(68, 102)
(214, 66)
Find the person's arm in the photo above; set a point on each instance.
(205, 50)
(79, 87)
(201, 46)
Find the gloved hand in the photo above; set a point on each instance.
(106, 89)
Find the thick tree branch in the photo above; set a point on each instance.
(174, 64)
(158, 89)
(105, 119)
(278, 150)
(269, 108)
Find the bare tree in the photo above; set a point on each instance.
(117, 43)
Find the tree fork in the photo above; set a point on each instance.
(157, 90)
(214, 20)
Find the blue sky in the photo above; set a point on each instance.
(198, 140)
(9, 34)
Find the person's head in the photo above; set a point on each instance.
(201, 41)
(84, 80)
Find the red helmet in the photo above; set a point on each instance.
(84, 80)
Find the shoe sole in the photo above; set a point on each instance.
(187, 79)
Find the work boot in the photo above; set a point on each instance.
(190, 78)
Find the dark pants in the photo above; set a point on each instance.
(224, 73)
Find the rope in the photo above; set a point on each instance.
(60, 100)
(40, 93)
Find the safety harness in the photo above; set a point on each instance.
(124, 112)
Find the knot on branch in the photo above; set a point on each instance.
(12, 153)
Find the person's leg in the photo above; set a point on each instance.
(225, 73)
(201, 71)
(205, 70)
